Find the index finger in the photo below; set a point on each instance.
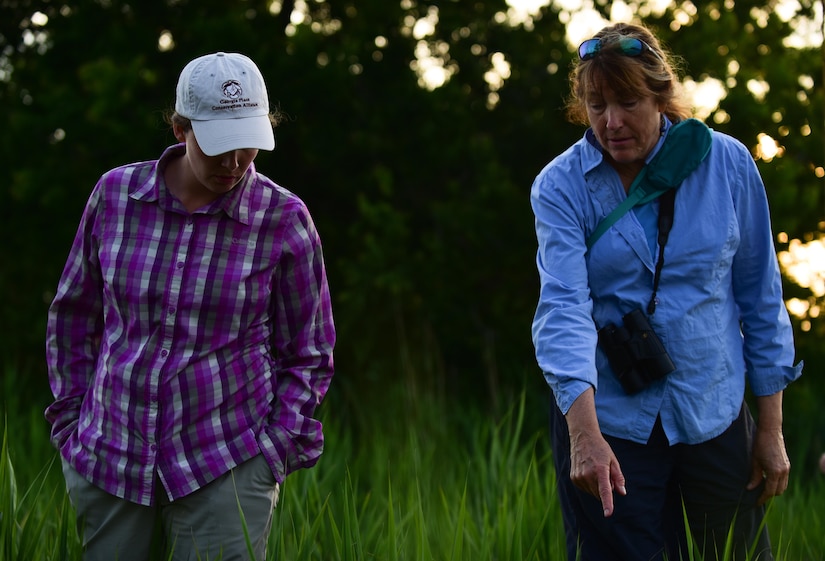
(606, 492)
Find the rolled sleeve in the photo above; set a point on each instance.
(768, 381)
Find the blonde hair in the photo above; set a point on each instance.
(651, 73)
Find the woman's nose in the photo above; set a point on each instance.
(614, 119)
(229, 160)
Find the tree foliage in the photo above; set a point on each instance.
(420, 194)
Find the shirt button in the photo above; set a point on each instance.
(180, 264)
(163, 353)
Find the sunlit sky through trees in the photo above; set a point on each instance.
(802, 261)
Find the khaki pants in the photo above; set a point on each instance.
(204, 525)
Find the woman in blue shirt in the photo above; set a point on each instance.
(628, 461)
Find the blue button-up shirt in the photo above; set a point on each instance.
(720, 311)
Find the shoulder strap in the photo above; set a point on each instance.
(632, 200)
(666, 204)
(685, 147)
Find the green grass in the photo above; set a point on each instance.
(414, 481)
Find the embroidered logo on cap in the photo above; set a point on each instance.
(233, 98)
(232, 89)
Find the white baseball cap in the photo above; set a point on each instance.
(224, 96)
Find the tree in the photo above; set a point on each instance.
(420, 189)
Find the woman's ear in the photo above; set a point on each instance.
(179, 132)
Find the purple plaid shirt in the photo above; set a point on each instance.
(181, 345)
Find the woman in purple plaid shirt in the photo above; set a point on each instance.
(190, 340)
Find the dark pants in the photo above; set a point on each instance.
(703, 483)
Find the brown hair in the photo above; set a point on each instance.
(652, 73)
(172, 117)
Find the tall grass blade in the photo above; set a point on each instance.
(392, 539)
(458, 531)
(250, 549)
(8, 503)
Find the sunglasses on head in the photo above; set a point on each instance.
(628, 46)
